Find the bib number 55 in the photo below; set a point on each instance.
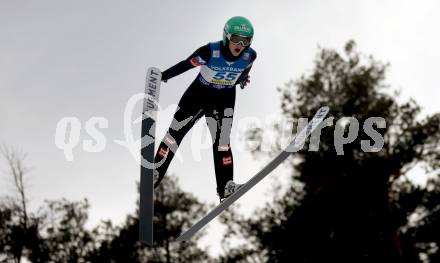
(225, 75)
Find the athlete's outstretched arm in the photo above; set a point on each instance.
(192, 61)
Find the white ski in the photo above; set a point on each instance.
(149, 112)
(296, 144)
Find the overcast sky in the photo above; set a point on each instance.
(86, 59)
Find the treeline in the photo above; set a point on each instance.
(355, 207)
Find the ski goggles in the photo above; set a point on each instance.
(239, 40)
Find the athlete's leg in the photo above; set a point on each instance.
(189, 110)
(219, 116)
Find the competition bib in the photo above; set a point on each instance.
(222, 72)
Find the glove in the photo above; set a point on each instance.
(245, 82)
(164, 80)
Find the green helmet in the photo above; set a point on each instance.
(239, 26)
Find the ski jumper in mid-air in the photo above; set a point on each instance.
(224, 64)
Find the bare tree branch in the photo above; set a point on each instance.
(15, 160)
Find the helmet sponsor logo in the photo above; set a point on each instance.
(242, 28)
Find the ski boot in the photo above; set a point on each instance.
(230, 188)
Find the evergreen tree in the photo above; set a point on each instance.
(343, 207)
